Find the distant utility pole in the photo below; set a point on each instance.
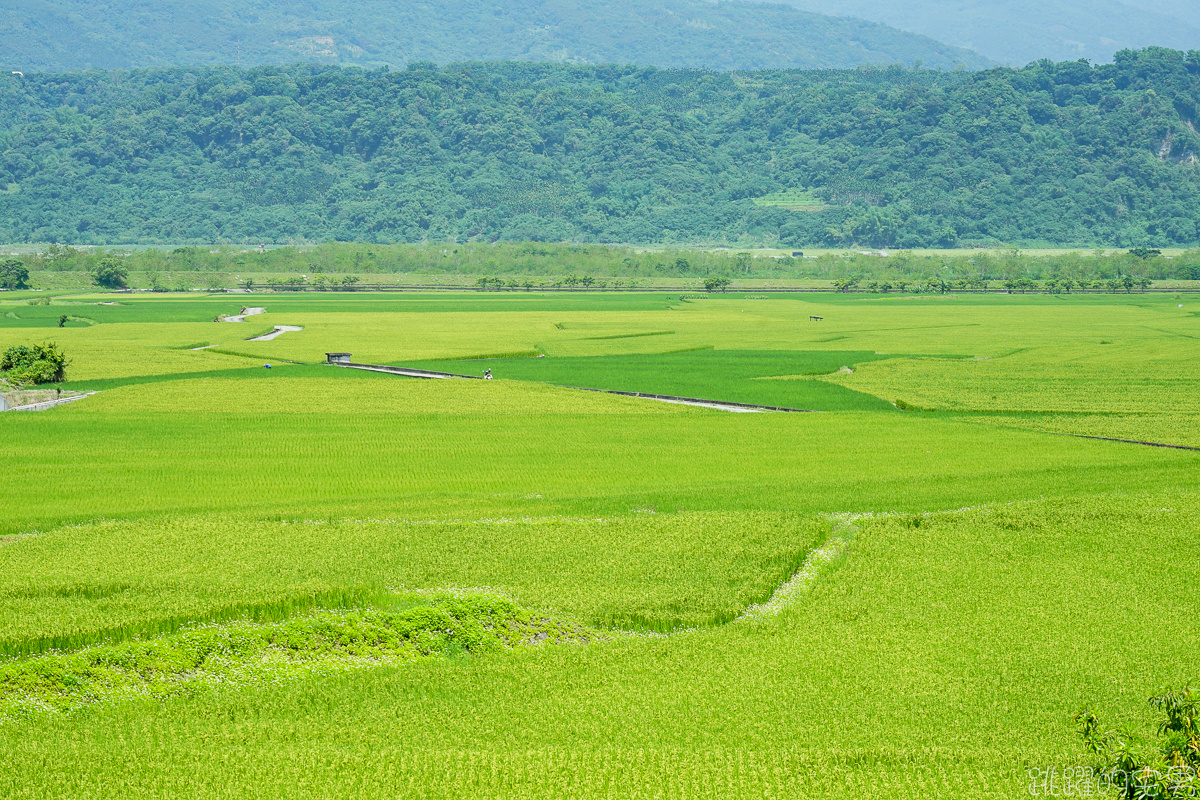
(239, 54)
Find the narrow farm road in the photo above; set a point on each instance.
(275, 334)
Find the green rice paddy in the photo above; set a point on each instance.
(739, 376)
(219, 580)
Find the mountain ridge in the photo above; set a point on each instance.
(1018, 32)
(65, 35)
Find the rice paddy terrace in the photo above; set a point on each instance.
(221, 580)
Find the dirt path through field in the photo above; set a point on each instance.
(708, 404)
(246, 312)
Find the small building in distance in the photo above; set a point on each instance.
(337, 358)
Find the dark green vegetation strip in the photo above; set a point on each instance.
(629, 336)
(729, 375)
(166, 622)
(10, 319)
(606, 154)
(140, 310)
(243, 652)
(256, 372)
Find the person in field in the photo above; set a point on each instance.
(487, 374)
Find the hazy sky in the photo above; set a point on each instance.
(1019, 31)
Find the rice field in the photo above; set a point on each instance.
(779, 378)
(219, 580)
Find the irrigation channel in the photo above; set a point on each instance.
(278, 331)
(275, 334)
(246, 312)
(45, 404)
(741, 408)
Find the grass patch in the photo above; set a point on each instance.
(791, 199)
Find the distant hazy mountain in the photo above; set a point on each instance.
(1019, 31)
(1186, 11)
(57, 35)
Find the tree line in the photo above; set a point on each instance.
(336, 265)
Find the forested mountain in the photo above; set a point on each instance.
(1058, 153)
(1019, 31)
(58, 35)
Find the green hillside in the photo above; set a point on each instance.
(1019, 31)
(59, 35)
(1052, 153)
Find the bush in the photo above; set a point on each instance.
(41, 363)
(110, 274)
(1167, 769)
(13, 274)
